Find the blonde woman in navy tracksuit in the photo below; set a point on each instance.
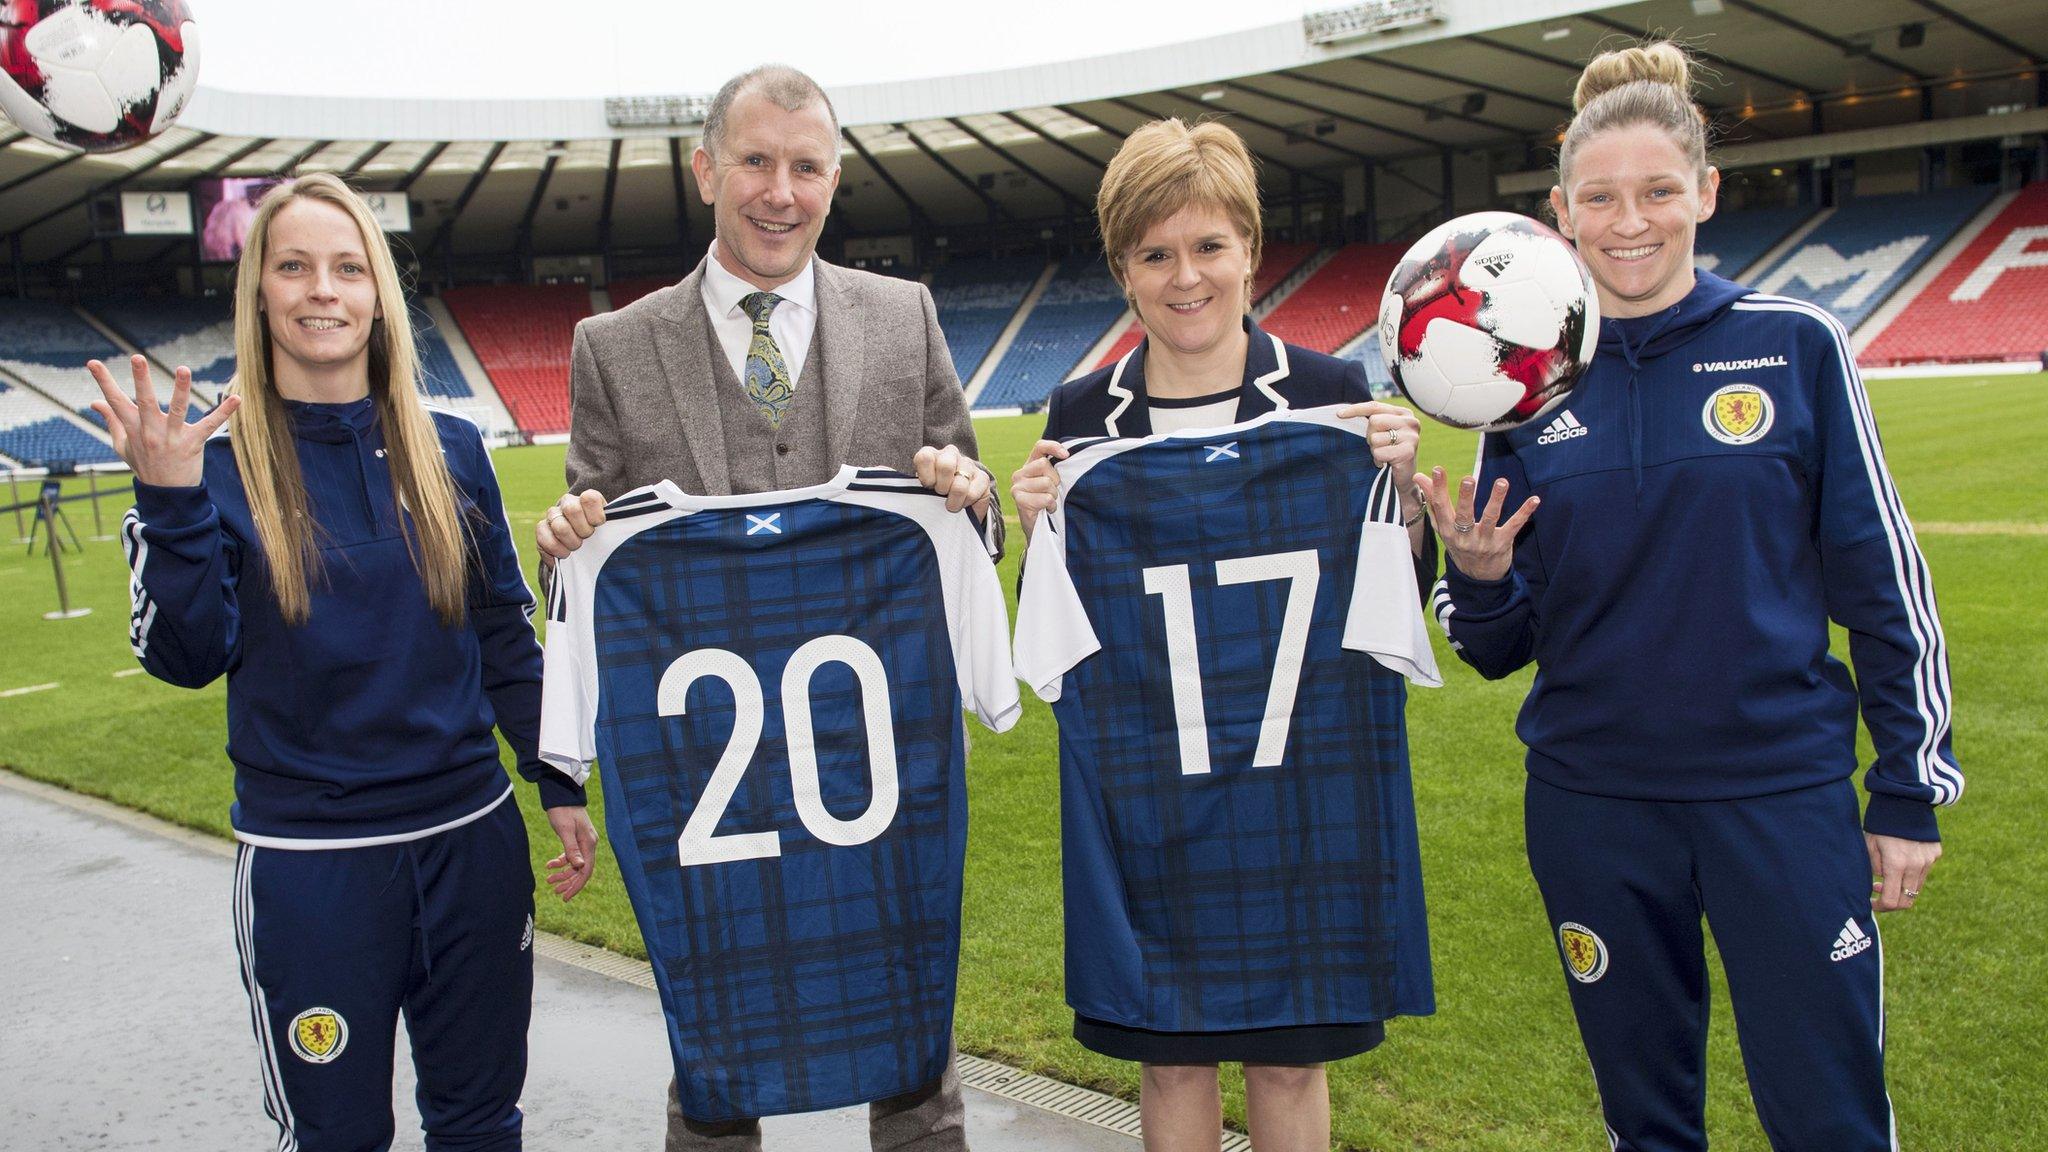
(341, 554)
(1719, 497)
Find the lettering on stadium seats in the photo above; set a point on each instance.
(1820, 268)
(2011, 253)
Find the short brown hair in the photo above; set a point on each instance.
(785, 87)
(1164, 167)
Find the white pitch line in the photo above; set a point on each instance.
(128, 672)
(28, 689)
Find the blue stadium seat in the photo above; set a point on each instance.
(197, 332)
(975, 300)
(1868, 248)
(1077, 309)
(439, 375)
(48, 345)
(33, 433)
(1730, 242)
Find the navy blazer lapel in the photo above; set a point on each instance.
(685, 343)
(1129, 415)
(842, 342)
(1265, 365)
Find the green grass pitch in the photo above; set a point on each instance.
(1499, 1066)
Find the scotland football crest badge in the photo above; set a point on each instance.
(318, 1035)
(1585, 954)
(1738, 414)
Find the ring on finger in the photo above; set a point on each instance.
(1461, 527)
(1912, 894)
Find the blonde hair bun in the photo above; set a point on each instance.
(1659, 61)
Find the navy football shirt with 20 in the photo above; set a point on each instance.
(777, 706)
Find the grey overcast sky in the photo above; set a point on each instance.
(574, 48)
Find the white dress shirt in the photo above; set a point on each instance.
(791, 324)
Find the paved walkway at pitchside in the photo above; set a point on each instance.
(123, 1024)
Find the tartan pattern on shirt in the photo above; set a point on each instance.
(1248, 897)
(823, 976)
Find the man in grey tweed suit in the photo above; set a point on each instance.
(767, 369)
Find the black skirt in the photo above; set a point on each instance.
(1306, 1044)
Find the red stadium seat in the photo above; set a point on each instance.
(522, 334)
(624, 292)
(1341, 300)
(1989, 304)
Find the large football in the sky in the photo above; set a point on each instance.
(99, 75)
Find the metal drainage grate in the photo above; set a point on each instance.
(1082, 1104)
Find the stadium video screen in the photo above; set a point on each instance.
(224, 206)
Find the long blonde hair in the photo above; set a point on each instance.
(268, 457)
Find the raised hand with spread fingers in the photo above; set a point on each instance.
(158, 445)
(1483, 545)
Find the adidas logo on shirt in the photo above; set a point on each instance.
(1849, 941)
(1565, 427)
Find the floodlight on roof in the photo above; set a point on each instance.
(655, 111)
(1372, 18)
(1557, 32)
(1706, 7)
(1213, 95)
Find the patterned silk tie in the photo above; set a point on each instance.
(767, 375)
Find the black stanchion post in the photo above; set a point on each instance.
(56, 550)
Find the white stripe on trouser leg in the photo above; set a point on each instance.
(1890, 1114)
(274, 1101)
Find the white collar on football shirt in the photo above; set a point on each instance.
(683, 501)
(723, 291)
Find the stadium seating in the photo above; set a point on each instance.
(521, 333)
(976, 300)
(1077, 307)
(1868, 248)
(34, 433)
(1729, 242)
(1990, 303)
(198, 333)
(624, 292)
(47, 345)
(1279, 262)
(1381, 381)
(1341, 300)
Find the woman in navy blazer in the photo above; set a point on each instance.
(1179, 212)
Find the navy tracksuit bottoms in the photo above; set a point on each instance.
(1784, 882)
(335, 943)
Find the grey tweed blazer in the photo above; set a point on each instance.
(642, 405)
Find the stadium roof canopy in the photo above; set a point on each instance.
(1387, 87)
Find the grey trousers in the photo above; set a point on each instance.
(931, 1119)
